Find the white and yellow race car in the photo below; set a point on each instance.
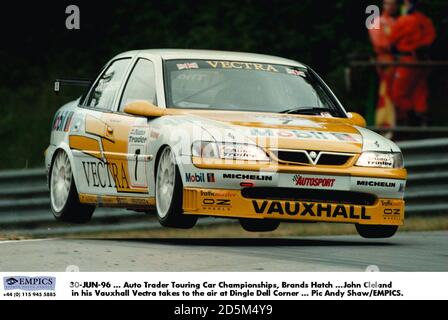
(189, 133)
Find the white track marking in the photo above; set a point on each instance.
(29, 240)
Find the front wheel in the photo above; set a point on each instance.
(376, 232)
(64, 197)
(255, 225)
(169, 194)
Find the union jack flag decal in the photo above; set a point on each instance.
(187, 66)
(295, 72)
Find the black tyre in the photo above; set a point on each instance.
(169, 193)
(376, 232)
(63, 194)
(256, 225)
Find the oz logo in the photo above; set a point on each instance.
(73, 21)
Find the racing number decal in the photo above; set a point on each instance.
(138, 136)
(137, 153)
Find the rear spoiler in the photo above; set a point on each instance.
(70, 82)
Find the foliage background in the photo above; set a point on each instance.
(36, 48)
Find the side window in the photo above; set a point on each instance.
(103, 93)
(141, 84)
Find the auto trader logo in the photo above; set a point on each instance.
(29, 283)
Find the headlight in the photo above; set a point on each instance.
(228, 151)
(381, 160)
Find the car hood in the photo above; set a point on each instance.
(270, 130)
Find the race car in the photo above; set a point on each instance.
(191, 133)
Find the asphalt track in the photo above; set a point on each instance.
(404, 252)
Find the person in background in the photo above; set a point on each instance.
(385, 112)
(410, 38)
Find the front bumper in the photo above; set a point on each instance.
(230, 203)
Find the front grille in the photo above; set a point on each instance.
(297, 157)
(304, 157)
(310, 195)
(333, 159)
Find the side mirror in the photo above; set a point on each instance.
(357, 119)
(143, 108)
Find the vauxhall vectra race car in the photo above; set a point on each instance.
(189, 133)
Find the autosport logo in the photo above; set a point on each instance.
(313, 182)
(29, 283)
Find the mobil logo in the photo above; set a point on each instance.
(200, 177)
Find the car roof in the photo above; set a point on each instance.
(171, 54)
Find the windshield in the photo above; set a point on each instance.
(245, 86)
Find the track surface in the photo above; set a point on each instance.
(404, 252)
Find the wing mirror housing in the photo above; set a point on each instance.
(357, 119)
(144, 109)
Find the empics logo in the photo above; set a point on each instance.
(200, 177)
(29, 283)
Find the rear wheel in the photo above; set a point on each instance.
(63, 194)
(376, 232)
(255, 225)
(169, 195)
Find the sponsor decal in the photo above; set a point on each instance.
(222, 194)
(305, 135)
(137, 136)
(304, 209)
(402, 187)
(381, 184)
(137, 139)
(125, 200)
(187, 66)
(392, 214)
(241, 65)
(287, 120)
(346, 137)
(216, 204)
(241, 176)
(62, 121)
(125, 174)
(105, 174)
(200, 177)
(313, 182)
(29, 283)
